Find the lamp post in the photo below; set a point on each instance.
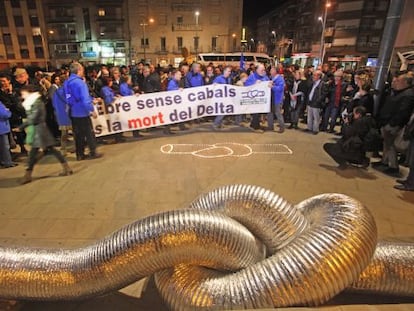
(234, 41)
(144, 24)
(323, 21)
(196, 41)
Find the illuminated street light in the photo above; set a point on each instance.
(323, 21)
(196, 41)
(144, 24)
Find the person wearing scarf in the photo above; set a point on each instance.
(38, 135)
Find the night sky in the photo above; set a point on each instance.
(254, 8)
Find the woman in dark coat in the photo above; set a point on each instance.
(38, 135)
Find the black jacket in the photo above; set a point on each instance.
(397, 108)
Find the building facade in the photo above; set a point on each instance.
(165, 31)
(88, 31)
(55, 32)
(23, 34)
(348, 31)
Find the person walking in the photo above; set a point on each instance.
(38, 135)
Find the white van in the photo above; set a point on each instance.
(233, 59)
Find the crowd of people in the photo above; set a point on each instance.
(43, 110)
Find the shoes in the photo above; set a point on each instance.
(379, 165)
(259, 131)
(331, 131)
(80, 157)
(94, 156)
(168, 132)
(404, 187)
(280, 131)
(315, 133)
(394, 172)
(10, 165)
(342, 166)
(291, 126)
(401, 181)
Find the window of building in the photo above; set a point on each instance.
(34, 21)
(7, 40)
(214, 43)
(37, 40)
(196, 42)
(15, 3)
(39, 52)
(24, 53)
(3, 21)
(10, 54)
(31, 4)
(18, 20)
(22, 40)
(87, 24)
(101, 12)
(214, 19)
(163, 43)
(145, 42)
(378, 24)
(179, 43)
(180, 20)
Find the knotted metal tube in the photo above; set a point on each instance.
(315, 250)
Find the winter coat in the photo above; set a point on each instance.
(36, 116)
(5, 114)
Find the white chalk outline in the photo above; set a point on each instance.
(169, 149)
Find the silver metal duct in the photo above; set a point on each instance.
(208, 257)
(324, 259)
(391, 270)
(129, 254)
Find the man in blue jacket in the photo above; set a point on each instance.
(5, 156)
(225, 78)
(278, 87)
(81, 109)
(194, 77)
(256, 77)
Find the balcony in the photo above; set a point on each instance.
(60, 19)
(161, 50)
(186, 27)
(109, 18)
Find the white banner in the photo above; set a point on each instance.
(157, 109)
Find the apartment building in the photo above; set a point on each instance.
(89, 31)
(166, 30)
(352, 31)
(23, 36)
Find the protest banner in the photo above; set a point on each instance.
(138, 112)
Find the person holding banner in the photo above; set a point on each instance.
(256, 77)
(194, 77)
(81, 110)
(225, 78)
(173, 85)
(278, 87)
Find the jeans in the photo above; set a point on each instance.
(5, 156)
(255, 122)
(389, 156)
(314, 119)
(271, 117)
(218, 120)
(294, 115)
(331, 114)
(84, 134)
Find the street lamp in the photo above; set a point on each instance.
(234, 41)
(323, 21)
(144, 24)
(196, 14)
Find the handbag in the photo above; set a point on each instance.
(30, 131)
(400, 143)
